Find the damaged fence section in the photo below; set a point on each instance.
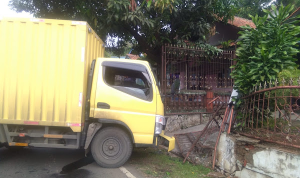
(271, 113)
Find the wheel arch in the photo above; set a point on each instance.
(122, 125)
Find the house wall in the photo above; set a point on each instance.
(224, 32)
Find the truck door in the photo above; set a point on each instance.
(125, 92)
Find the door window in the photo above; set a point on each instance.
(135, 83)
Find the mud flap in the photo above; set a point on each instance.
(170, 139)
(2, 135)
(92, 130)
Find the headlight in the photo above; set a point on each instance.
(160, 121)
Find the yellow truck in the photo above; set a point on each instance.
(57, 91)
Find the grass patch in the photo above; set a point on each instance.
(157, 163)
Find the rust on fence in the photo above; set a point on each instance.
(211, 126)
(271, 113)
(195, 142)
(190, 79)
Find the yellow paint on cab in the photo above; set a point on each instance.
(137, 114)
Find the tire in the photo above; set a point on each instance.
(111, 147)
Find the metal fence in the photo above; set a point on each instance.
(271, 113)
(195, 103)
(190, 79)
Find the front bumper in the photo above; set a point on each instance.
(170, 139)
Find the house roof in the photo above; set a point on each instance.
(132, 56)
(239, 21)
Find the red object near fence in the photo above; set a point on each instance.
(209, 97)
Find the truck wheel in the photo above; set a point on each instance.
(111, 147)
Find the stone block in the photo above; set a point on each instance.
(226, 158)
(246, 173)
(277, 163)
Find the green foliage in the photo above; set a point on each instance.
(253, 7)
(151, 23)
(175, 86)
(296, 3)
(144, 57)
(114, 51)
(209, 50)
(287, 75)
(266, 50)
(226, 44)
(107, 54)
(162, 4)
(157, 163)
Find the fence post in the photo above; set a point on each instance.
(209, 98)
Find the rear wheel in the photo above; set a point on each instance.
(111, 147)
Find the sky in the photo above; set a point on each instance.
(6, 12)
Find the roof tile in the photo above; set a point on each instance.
(132, 56)
(239, 21)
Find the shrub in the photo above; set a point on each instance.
(267, 50)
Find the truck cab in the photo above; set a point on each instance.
(126, 100)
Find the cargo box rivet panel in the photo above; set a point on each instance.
(44, 67)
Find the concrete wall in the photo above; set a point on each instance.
(180, 122)
(244, 157)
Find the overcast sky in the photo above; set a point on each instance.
(6, 12)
